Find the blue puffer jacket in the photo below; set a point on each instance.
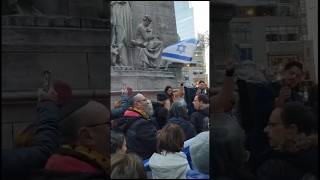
(195, 174)
(20, 162)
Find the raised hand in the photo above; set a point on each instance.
(51, 95)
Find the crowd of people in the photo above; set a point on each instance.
(269, 131)
(250, 131)
(157, 131)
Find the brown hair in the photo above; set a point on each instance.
(127, 166)
(170, 138)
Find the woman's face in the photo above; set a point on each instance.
(169, 91)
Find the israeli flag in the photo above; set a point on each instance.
(180, 52)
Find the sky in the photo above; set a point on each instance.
(201, 23)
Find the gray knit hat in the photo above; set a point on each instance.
(199, 152)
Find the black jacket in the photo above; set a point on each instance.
(291, 166)
(160, 114)
(141, 135)
(187, 127)
(199, 120)
(20, 162)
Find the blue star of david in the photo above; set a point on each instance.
(181, 48)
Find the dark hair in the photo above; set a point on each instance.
(203, 98)
(127, 166)
(166, 89)
(170, 138)
(116, 141)
(300, 115)
(162, 97)
(291, 64)
(201, 81)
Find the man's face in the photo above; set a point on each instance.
(144, 104)
(146, 22)
(293, 76)
(196, 103)
(278, 134)
(99, 130)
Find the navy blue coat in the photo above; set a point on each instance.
(141, 135)
(187, 127)
(20, 162)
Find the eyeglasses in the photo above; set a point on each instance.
(142, 100)
(99, 124)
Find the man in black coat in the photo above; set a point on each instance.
(161, 109)
(190, 93)
(292, 133)
(140, 131)
(200, 118)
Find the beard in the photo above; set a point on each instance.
(148, 108)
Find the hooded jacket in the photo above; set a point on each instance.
(169, 165)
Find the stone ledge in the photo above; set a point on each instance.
(27, 96)
(55, 21)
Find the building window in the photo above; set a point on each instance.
(292, 37)
(245, 54)
(241, 32)
(282, 33)
(271, 37)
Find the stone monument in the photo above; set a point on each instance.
(70, 38)
(136, 56)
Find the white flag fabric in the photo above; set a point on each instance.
(180, 52)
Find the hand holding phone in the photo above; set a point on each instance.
(46, 80)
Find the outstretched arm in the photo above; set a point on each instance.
(222, 99)
(45, 142)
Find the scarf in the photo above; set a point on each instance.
(143, 114)
(87, 153)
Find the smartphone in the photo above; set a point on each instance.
(46, 80)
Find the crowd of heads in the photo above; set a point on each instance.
(167, 129)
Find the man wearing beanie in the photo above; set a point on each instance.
(161, 108)
(199, 152)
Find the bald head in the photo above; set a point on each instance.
(91, 113)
